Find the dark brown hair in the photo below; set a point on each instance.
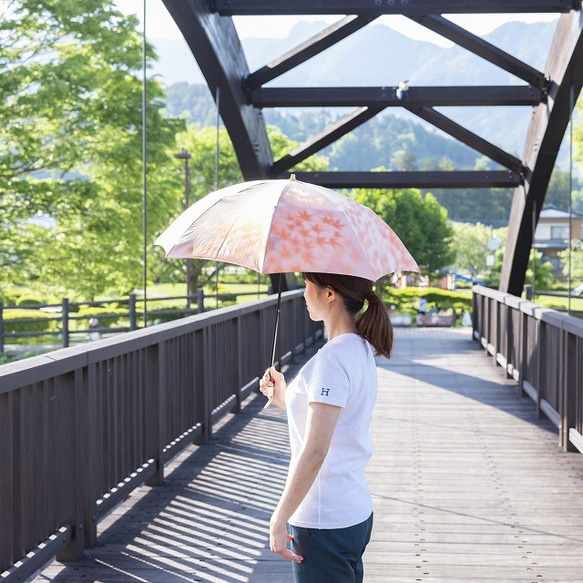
(374, 323)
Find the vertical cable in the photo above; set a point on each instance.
(569, 257)
(533, 250)
(217, 153)
(144, 173)
(217, 148)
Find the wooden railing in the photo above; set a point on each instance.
(64, 323)
(81, 427)
(542, 350)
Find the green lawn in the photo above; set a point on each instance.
(560, 303)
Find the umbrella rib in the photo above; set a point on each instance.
(362, 247)
(268, 231)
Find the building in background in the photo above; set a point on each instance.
(552, 234)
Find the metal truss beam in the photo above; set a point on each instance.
(214, 41)
(318, 43)
(325, 138)
(455, 179)
(389, 96)
(483, 49)
(410, 7)
(547, 129)
(470, 139)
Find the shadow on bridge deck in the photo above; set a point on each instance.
(468, 486)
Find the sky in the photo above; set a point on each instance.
(159, 24)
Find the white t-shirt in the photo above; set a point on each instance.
(342, 373)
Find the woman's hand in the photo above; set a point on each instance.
(273, 386)
(278, 539)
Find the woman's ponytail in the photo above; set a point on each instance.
(375, 325)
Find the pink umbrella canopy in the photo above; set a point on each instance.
(280, 226)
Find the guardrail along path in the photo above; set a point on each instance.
(469, 486)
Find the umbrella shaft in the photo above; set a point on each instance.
(277, 314)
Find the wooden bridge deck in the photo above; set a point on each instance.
(469, 486)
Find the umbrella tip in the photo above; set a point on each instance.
(292, 176)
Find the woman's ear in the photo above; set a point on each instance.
(330, 293)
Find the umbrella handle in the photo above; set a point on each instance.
(277, 314)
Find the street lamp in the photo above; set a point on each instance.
(186, 156)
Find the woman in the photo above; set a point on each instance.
(325, 510)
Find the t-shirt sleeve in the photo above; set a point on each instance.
(329, 382)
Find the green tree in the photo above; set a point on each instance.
(542, 269)
(70, 127)
(419, 221)
(576, 262)
(473, 243)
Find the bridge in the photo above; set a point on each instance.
(148, 457)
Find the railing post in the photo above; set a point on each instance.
(132, 312)
(522, 347)
(92, 420)
(570, 387)
(200, 300)
(65, 322)
(1, 327)
(204, 401)
(156, 411)
(541, 352)
(72, 483)
(240, 381)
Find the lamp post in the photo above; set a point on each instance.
(186, 156)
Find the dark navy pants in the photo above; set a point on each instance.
(330, 555)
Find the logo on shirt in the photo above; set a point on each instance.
(325, 392)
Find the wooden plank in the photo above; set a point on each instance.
(468, 485)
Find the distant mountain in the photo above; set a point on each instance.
(378, 55)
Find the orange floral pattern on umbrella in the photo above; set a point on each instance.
(280, 226)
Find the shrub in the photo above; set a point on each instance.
(406, 300)
(36, 321)
(29, 301)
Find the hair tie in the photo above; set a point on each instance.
(371, 296)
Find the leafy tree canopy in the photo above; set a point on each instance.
(474, 243)
(71, 133)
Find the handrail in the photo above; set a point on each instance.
(82, 426)
(541, 349)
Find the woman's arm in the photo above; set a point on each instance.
(320, 426)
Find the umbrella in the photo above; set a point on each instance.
(283, 226)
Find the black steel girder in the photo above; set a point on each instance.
(547, 129)
(215, 44)
(322, 41)
(323, 139)
(407, 7)
(483, 49)
(469, 138)
(389, 96)
(436, 179)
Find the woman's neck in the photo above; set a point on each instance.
(338, 324)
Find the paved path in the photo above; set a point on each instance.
(469, 486)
